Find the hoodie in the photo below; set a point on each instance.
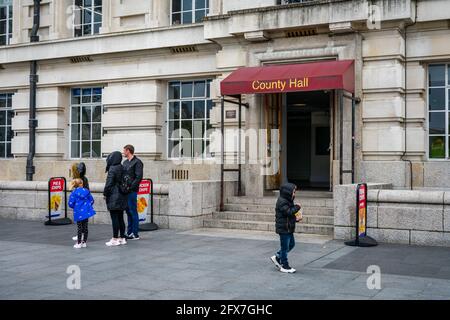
(115, 200)
(285, 210)
(113, 159)
(79, 171)
(81, 201)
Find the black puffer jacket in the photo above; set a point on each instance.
(135, 170)
(285, 210)
(115, 200)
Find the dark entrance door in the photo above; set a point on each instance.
(308, 139)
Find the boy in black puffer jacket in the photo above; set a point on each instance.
(285, 218)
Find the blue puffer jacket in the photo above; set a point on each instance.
(81, 201)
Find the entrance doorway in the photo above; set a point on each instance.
(308, 144)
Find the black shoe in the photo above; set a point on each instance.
(132, 237)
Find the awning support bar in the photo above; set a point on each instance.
(222, 167)
(341, 135)
(222, 164)
(354, 100)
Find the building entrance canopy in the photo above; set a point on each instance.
(325, 75)
(314, 76)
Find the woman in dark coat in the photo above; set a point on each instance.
(116, 202)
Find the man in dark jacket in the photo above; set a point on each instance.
(134, 169)
(285, 219)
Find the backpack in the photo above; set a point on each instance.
(125, 184)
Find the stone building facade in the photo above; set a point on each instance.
(118, 72)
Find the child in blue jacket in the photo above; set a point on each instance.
(81, 201)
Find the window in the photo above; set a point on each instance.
(6, 16)
(87, 17)
(6, 132)
(438, 111)
(189, 11)
(189, 108)
(86, 123)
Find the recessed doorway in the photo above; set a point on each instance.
(308, 139)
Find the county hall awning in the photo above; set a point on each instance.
(313, 76)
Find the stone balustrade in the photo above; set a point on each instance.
(177, 205)
(416, 217)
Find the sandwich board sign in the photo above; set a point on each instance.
(144, 203)
(361, 239)
(57, 202)
(143, 199)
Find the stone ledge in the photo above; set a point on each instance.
(411, 196)
(95, 187)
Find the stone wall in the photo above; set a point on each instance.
(177, 205)
(413, 217)
(190, 202)
(28, 200)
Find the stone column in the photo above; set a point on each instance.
(52, 115)
(160, 13)
(52, 133)
(133, 115)
(17, 22)
(383, 106)
(61, 15)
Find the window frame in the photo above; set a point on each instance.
(205, 155)
(194, 9)
(446, 112)
(81, 24)
(80, 105)
(6, 126)
(8, 33)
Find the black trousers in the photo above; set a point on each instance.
(118, 223)
(82, 230)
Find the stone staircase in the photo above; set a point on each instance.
(249, 213)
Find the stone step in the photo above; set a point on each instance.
(266, 217)
(262, 208)
(266, 226)
(306, 194)
(270, 201)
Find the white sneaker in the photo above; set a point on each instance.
(77, 246)
(287, 269)
(112, 243)
(122, 241)
(275, 262)
(84, 245)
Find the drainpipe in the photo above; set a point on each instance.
(32, 122)
(405, 126)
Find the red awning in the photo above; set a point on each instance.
(291, 77)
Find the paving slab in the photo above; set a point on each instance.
(209, 264)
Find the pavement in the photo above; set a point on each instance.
(210, 264)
